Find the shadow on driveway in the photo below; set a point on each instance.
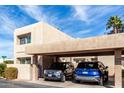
(110, 84)
(21, 84)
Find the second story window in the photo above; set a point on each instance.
(24, 39)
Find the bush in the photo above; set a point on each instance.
(11, 73)
(2, 69)
(8, 62)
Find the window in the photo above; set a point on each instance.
(25, 60)
(24, 39)
(87, 65)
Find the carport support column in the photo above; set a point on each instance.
(35, 68)
(118, 68)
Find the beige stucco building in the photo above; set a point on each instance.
(38, 33)
(38, 45)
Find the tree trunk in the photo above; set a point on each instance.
(115, 30)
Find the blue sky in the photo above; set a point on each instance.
(76, 21)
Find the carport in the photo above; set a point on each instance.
(95, 46)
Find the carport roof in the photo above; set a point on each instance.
(101, 44)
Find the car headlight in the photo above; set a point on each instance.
(57, 73)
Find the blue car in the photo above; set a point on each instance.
(91, 72)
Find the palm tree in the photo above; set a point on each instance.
(4, 57)
(115, 23)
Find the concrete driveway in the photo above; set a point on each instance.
(21, 84)
(70, 84)
(51, 84)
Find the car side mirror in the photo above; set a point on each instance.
(106, 67)
(100, 66)
(67, 66)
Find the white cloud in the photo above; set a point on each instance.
(82, 32)
(90, 14)
(34, 12)
(81, 13)
(7, 25)
(6, 48)
(98, 12)
(6, 31)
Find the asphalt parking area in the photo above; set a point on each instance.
(71, 84)
(22, 84)
(53, 84)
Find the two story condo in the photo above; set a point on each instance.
(36, 46)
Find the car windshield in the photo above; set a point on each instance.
(59, 66)
(87, 65)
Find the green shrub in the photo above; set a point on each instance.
(2, 69)
(11, 73)
(8, 62)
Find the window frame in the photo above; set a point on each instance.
(24, 60)
(24, 39)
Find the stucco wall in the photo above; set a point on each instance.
(102, 43)
(36, 38)
(52, 34)
(24, 71)
(40, 33)
(108, 61)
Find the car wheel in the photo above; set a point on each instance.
(77, 81)
(63, 78)
(45, 79)
(101, 82)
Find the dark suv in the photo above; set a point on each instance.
(91, 71)
(59, 71)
